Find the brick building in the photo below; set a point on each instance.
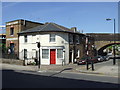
(14, 27)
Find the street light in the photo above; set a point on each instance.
(87, 52)
(38, 45)
(114, 61)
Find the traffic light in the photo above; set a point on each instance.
(38, 44)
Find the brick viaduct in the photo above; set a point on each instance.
(103, 40)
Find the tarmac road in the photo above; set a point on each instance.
(31, 79)
(15, 76)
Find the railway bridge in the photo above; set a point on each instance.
(104, 40)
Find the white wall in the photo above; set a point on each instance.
(61, 41)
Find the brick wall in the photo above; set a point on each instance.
(12, 61)
(18, 27)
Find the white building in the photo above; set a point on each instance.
(54, 44)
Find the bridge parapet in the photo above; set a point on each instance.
(100, 44)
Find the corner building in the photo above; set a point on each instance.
(58, 44)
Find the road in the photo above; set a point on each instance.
(31, 79)
(18, 78)
(105, 63)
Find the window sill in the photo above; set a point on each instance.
(11, 35)
(45, 58)
(59, 58)
(53, 42)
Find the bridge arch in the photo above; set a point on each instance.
(100, 51)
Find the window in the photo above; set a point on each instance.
(71, 39)
(25, 38)
(12, 31)
(33, 53)
(25, 53)
(45, 53)
(78, 53)
(77, 39)
(52, 37)
(60, 53)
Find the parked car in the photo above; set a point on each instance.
(106, 58)
(109, 54)
(94, 59)
(100, 58)
(116, 57)
(82, 60)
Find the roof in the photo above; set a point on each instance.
(2, 34)
(48, 27)
(23, 20)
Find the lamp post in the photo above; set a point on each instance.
(114, 61)
(63, 61)
(92, 51)
(87, 52)
(38, 45)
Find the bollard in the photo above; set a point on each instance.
(92, 65)
(87, 64)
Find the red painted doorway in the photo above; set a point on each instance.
(52, 56)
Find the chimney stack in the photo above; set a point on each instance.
(74, 29)
(47, 23)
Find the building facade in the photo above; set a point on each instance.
(58, 44)
(2, 42)
(14, 27)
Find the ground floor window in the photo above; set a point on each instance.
(25, 53)
(45, 53)
(34, 53)
(59, 53)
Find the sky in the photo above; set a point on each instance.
(87, 16)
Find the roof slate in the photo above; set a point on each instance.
(48, 27)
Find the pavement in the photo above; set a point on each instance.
(100, 68)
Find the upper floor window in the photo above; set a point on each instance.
(12, 31)
(52, 37)
(77, 39)
(25, 38)
(71, 39)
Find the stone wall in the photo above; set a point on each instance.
(12, 61)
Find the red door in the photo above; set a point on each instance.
(52, 56)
